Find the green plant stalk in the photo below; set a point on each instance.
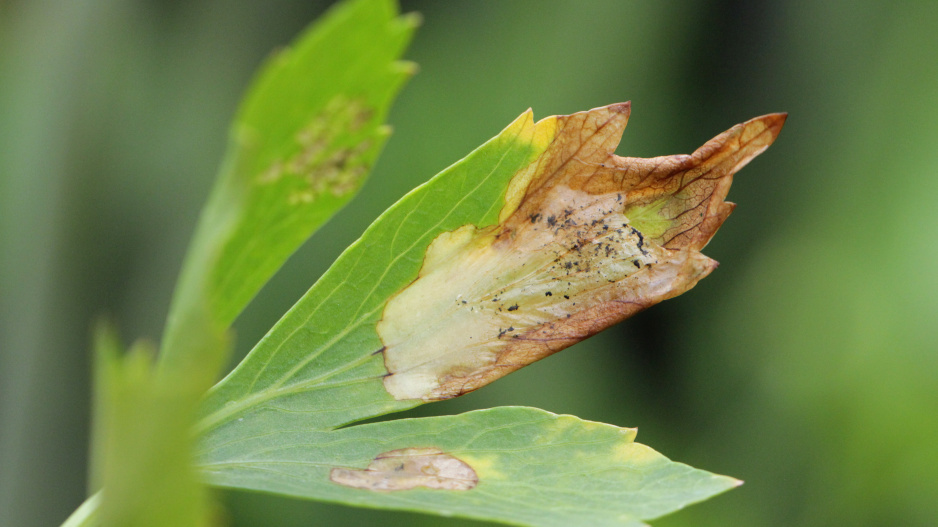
(86, 514)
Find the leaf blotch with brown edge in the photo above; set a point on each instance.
(585, 239)
(409, 468)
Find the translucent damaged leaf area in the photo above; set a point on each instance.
(322, 164)
(409, 468)
(585, 239)
(516, 465)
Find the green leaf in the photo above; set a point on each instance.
(318, 367)
(532, 468)
(142, 447)
(305, 137)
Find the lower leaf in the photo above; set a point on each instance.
(513, 465)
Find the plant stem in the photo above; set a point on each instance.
(86, 514)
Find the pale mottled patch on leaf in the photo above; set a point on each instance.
(586, 239)
(322, 162)
(409, 468)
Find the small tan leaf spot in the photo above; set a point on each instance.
(409, 468)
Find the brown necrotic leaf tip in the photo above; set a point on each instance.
(585, 239)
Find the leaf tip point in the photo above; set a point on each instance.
(774, 122)
(622, 107)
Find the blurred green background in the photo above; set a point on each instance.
(807, 365)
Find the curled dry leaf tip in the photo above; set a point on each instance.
(584, 240)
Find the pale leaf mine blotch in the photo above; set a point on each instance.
(409, 468)
(585, 239)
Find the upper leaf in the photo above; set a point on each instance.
(301, 145)
(306, 136)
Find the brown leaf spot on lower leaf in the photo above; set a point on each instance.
(409, 468)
